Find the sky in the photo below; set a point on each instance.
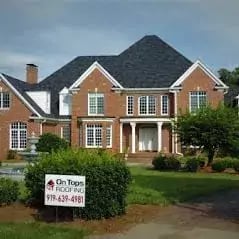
(50, 33)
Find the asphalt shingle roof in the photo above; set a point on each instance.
(148, 63)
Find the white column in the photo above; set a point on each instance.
(159, 124)
(121, 138)
(133, 125)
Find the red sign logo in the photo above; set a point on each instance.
(50, 185)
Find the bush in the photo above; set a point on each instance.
(220, 165)
(236, 165)
(50, 142)
(166, 163)
(12, 154)
(193, 164)
(107, 180)
(9, 191)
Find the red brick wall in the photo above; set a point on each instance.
(198, 81)
(17, 112)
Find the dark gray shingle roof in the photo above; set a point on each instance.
(148, 63)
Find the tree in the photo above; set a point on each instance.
(211, 129)
(230, 78)
(50, 142)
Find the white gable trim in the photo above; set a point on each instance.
(94, 66)
(205, 69)
(19, 95)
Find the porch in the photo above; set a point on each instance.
(146, 135)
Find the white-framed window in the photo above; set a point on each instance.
(4, 100)
(147, 105)
(93, 135)
(197, 99)
(109, 137)
(95, 104)
(130, 105)
(66, 133)
(164, 105)
(18, 136)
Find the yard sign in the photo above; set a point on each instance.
(64, 190)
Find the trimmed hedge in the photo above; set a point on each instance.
(50, 142)
(107, 180)
(9, 191)
(193, 164)
(166, 163)
(236, 165)
(220, 165)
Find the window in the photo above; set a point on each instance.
(4, 100)
(93, 135)
(147, 105)
(197, 100)
(95, 104)
(18, 135)
(130, 105)
(66, 133)
(109, 137)
(164, 105)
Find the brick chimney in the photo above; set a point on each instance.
(31, 74)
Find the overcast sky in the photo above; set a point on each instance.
(50, 33)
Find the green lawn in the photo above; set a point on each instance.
(37, 231)
(163, 188)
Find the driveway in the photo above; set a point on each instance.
(211, 217)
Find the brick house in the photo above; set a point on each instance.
(122, 102)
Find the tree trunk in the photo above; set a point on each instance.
(210, 156)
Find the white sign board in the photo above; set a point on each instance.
(64, 190)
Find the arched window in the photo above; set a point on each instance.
(18, 135)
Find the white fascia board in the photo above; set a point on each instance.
(50, 119)
(144, 120)
(94, 66)
(141, 89)
(198, 63)
(65, 90)
(19, 95)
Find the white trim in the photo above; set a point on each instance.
(49, 119)
(161, 101)
(18, 136)
(198, 96)
(147, 105)
(111, 136)
(127, 105)
(141, 89)
(93, 146)
(19, 95)
(96, 102)
(121, 137)
(198, 63)
(96, 120)
(144, 120)
(94, 66)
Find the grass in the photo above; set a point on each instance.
(38, 231)
(164, 188)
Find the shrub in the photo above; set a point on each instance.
(192, 164)
(50, 142)
(9, 190)
(236, 165)
(220, 165)
(107, 180)
(166, 163)
(12, 154)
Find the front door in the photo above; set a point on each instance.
(148, 139)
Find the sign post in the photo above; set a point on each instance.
(64, 191)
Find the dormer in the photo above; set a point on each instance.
(65, 99)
